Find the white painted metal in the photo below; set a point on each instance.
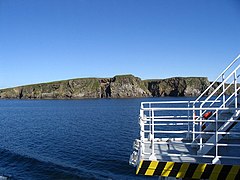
(173, 130)
(158, 141)
(215, 138)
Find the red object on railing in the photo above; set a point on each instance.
(207, 115)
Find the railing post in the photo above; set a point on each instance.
(152, 156)
(216, 159)
(216, 132)
(224, 96)
(141, 123)
(188, 133)
(235, 88)
(200, 135)
(150, 118)
(194, 114)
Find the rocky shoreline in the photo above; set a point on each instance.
(120, 86)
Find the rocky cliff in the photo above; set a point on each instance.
(75, 88)
(116, 87)
(178, 86)
(121, 86)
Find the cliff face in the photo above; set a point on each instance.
(76, 88)
(122, 87)
(117, 87)
(128, 86)
(179, 86)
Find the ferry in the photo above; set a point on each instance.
(197, 139)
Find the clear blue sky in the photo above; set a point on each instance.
(48, 40)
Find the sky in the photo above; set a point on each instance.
(50, 40)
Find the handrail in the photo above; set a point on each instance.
(219, 86)
(174, 102)
(153, 125)
(222, 93)
(166, 122)
(221, 75)
(190, 108)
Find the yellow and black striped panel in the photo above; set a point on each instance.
(188, 170)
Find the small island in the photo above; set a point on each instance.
(119, 86)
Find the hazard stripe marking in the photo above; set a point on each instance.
(224, 172)
(175, 169)
(159, 168)
(189, 170)
(199, 170)
(232, 174)
(151, 168)
(238, 175)
(216, 170)
(207, 172)
(167, 169)
(144, 167)
(182, 171)
(139, 166)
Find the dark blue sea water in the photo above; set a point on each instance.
(69, 139)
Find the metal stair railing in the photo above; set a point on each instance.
(223, 85)
(224, 101)
(220, 126)
(221, 77)
(164, 126)
(180, 123)
(227, 101)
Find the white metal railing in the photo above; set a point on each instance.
(171, 122)
(155, 124)
(232, 71)
(221, 77)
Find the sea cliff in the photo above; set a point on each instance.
(120, 86)
(178, 86)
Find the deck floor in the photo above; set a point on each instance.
(165, 152)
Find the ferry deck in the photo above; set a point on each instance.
(197, 139)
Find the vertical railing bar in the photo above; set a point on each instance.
(194, 114)
(150, 115)
(224, 97)
(216, 136)
(152, 157)
(235, 88)
(142, 133)
(188, 134)
(200, 130)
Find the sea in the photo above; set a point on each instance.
(70, 139)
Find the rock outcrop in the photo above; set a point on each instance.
(178, 86)
(121, 86)
(116, 87)
(128, 86)
(69, 89)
